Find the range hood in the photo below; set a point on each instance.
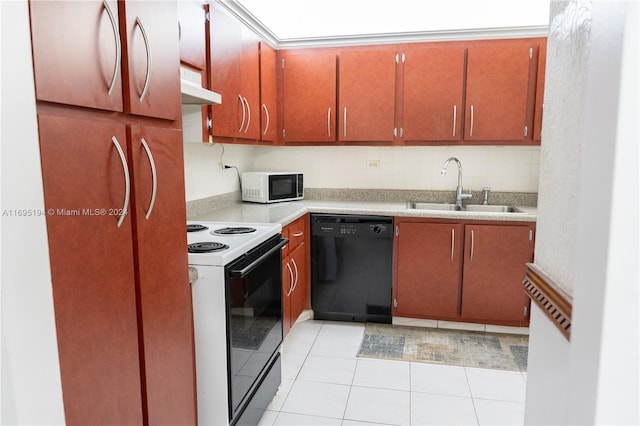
(192, 91)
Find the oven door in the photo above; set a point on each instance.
(254, 319)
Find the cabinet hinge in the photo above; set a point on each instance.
(395, 303)
(531, 53)
(282, 63)
(526, 130)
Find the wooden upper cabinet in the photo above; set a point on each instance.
(497, 89)
(309, 95)
(235, 75)
(427, 282)
(268, 94)
(151, 59)
(367, 81)
(539, 109)
(495, 258)
(433, 92)
(192, 34)
(77, 53)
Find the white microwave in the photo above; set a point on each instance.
(272, 187)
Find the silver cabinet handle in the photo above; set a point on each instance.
(248, 115)
(453, 242)
(154, 178)
(127, 181)
(455, 115)
(147, 79)
(329, 122)
(243, 113)
(472, 246)
(471, 127)
(345, 122)
(297, 275)
(266, 113)
(298, 234)
(290, 280)
(116, 36)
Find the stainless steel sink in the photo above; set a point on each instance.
(432, 206)
(492, 208)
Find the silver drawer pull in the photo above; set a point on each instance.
(127, 181)
(147, 79)
(116, 36)
(154, 178)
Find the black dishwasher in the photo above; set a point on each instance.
(351, 258)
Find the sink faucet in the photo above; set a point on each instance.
(459, 195)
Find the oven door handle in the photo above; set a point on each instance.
(241, 273)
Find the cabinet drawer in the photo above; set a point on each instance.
(296, 233)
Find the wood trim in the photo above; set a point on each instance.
(554, 302)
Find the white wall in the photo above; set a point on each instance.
(501, 168)
(31, 389)
(587, 238)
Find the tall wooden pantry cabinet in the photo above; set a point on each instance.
(108, 103)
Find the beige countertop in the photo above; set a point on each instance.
(285, 213)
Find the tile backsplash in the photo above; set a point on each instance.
(503, 168)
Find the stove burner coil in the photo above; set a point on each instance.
(234, 230)
(194, 227)
(206, 247)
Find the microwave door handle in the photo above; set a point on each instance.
(241, 273)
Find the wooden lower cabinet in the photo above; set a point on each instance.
(495, 258)
(428, 270)
(120, 281)
(462, 271)
(295, 273)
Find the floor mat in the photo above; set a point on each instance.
(449, 347)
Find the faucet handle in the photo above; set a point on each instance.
(485, 195)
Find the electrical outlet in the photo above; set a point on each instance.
(373, 164)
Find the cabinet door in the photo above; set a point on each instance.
(250, 69)
(288, 278)
(495, 260)
(298, 295)
(226, 56)
(166, 316)
(497, 90)
(191, 32)
(433, 89)
(428, 270)
(538, 111)
(309, 104)
(367, 95)
(92, 269)
(77, 53)
(268, 110)
(151, 59)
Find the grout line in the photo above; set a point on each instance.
(473, 400)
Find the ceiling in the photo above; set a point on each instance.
(327, 22)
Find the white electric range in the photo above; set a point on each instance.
(237, 310)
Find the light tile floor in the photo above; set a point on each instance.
(325, 383)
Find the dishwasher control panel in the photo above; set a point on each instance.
(352, 226)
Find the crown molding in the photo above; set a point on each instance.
(240, 12)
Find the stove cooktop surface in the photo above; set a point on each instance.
(237, 241)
